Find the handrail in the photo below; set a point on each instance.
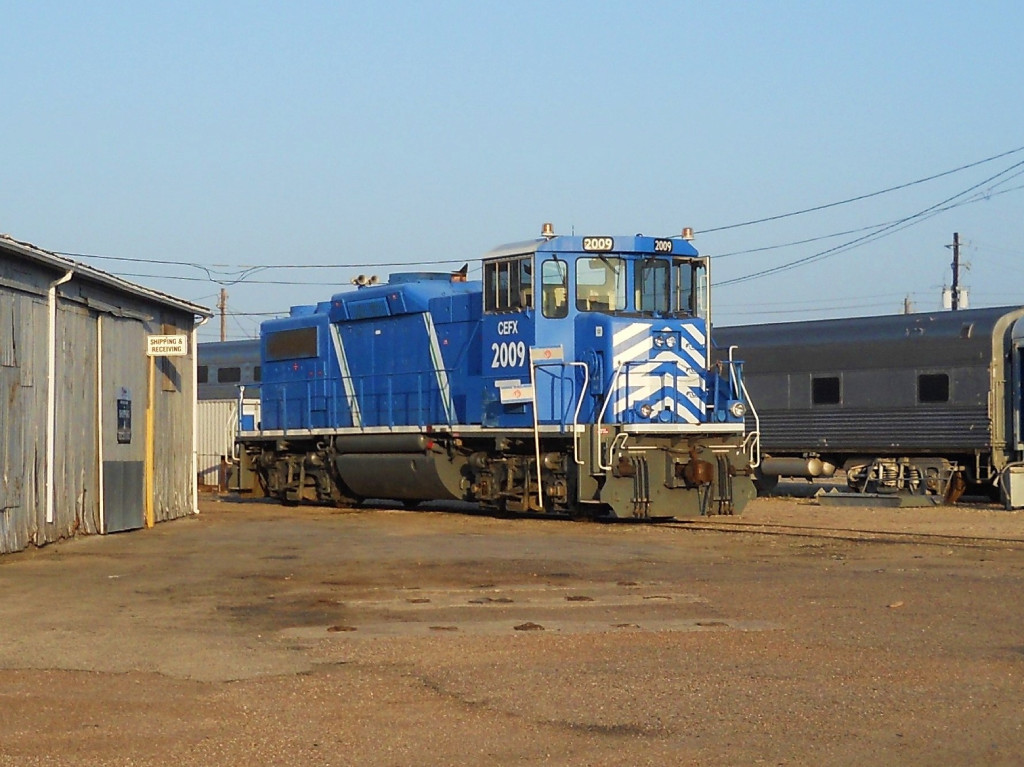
(752, 442)
(608, 396)
(600, 417)
(534, 366)
(579, 400)
(576, 415)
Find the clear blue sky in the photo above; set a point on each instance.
(363, 134)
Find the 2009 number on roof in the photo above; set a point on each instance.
(598, 244)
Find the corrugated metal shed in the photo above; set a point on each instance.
(216, 425)
(215, 437)
(75, 452)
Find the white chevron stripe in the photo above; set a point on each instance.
(346, 376)
(628, 334)
(666, 379)
(443, 385)
(694, 335)
(640, 350)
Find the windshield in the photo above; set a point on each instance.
(652, 286)
(600, 284)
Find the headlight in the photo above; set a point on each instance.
(659, 341)
(645, 410)
(670, 342)
(738, 409)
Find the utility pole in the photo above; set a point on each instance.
(908, 307)
(223, 306)
(955, 298)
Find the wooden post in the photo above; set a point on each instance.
(956, 271)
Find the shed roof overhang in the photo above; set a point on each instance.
(47, 259)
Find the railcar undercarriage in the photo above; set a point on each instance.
(624, 476)
(916, 476)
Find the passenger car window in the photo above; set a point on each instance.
(825, 391)
(229, 375)
(933, 387)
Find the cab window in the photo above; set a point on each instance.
(691, 288)
(554, 277)
(600, 284)
(508, 285)
(652, 286)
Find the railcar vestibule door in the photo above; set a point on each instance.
(1018, 387)
(1018, 397)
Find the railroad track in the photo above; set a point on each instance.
(847, 534)
(735, 526)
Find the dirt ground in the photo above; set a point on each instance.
(257, 635)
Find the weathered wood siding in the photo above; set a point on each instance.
(87, 380)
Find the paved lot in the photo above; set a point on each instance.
(254, 634)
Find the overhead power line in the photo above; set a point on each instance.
(978, 197)
(860, 197)
(881, 232)
(257, 267)
(233, 274)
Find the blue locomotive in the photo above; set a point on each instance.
(574, 378)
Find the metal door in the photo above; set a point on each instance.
(1017, 387)
(122, 396)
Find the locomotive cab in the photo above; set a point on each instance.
(613, 356)
(628, 312)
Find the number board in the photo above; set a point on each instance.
(598, 244)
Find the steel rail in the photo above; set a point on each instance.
(853, 535)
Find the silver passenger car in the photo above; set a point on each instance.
(925, 403)
(227, 366)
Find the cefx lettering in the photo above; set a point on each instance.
(508, 327)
